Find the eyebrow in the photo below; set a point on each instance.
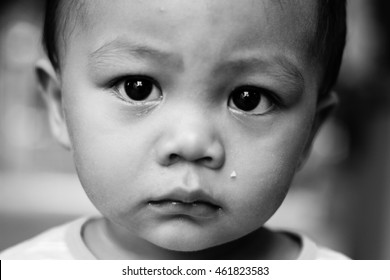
(127, 49)
(278, 66)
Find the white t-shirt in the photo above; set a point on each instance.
(65, 242)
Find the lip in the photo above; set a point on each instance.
(180, 202)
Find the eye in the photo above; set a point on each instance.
(138, 89)
(252, 100)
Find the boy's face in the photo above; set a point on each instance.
(164, 99)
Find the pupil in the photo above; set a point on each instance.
(138, 89)
(246, 100)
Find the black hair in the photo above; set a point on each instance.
(57, 15)
(330, 38)
(327, 47)
(49, 31)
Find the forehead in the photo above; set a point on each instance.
(287, 25)
(92, 13)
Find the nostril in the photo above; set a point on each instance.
(206, 159)
(173, 157)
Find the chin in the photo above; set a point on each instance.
(183, 244)
(182, 241)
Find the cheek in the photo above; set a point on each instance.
(259, 188)
(265, 167)
(110, 153)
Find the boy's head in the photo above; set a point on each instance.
(161, 101)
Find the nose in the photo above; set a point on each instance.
(193, 139)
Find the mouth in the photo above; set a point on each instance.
(182, 203)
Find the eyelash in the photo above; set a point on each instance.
(271, 96)
(274, 97)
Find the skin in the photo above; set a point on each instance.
(191, 139)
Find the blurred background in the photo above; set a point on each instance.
(341, 198)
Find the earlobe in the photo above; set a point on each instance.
(50, 88)
(325, 107)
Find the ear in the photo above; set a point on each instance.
(50, 89)
(325, 106)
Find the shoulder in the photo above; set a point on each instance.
(51, 244)
(309, 250)
(328, 254)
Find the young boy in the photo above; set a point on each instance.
(187, 121)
